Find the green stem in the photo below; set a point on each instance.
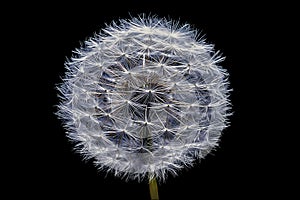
(153, 189)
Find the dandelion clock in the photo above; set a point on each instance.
(145, 98)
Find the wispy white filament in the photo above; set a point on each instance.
(145, 97)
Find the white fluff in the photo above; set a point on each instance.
(145, 97)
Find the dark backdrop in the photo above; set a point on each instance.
(240, 167)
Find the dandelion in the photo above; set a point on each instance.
(144, 98)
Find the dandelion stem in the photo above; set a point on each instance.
(153, 189)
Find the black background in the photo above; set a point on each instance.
(247, 164)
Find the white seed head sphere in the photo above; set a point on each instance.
(145, 97)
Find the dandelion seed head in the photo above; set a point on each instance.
(145, 97)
